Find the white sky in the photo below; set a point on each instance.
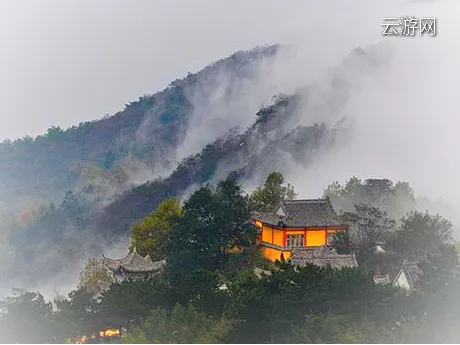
(66, 61)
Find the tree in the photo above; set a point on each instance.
(395, 199)
(403, 200)
(341, 242)
(129, 301)
(26, 318)
(368, 227)
(77, 315)
(327, 329)
(95, 277)
(270, 195)
(152, 235)
(421, 234)
(438, 269)
(279, 303)
(7, 223)
(211, 224)
(352, 192)
(179, 326)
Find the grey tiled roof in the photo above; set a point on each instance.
(260, 273)
(135, 263)
(412, 272)
(382, 279)
(303, 213)
(269, 218)
(322, 257)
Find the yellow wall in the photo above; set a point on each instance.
(274, 236)
(316, 238)
(278, 238)
(275, 254)
(267, 234)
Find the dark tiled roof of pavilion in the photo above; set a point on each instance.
(391, 265)
(412, 272)
(302, 213)
(260, 273)
(322, 257)
(134, 262)
(382, 279)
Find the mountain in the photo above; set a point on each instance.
(144, 136)
(53, 241)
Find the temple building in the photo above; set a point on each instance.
(408, 275)
(405, 276)
(133, 266)
(296, 224)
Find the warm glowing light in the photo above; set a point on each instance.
(111, 332)
(83, 339)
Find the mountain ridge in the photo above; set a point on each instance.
(47, 166)
(92, 218)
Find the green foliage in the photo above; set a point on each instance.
(26, 318)
(421, 234)
(327, 329)
(279, 303)
(48, 241)
(266, 198)
(128, 302)
(152, 235)
(368, 225)
(438, 269)
(395, 199)
(267, 113)
(179, 326)
(77, 315)
(341, 242)
(7, 224)
(212, 224)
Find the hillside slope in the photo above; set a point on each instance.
(58, 238)
(145, 133)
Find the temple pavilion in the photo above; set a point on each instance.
(298, 226)
(133, 266)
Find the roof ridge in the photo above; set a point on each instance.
(298, 201)
(148, 259)
(129, 258)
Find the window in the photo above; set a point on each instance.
(330, 238)
(295, 240)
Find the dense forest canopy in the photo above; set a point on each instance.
(210, 294)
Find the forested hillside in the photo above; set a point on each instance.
(210, 294)
(130, 178)
(143, 135)
(51, 240)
